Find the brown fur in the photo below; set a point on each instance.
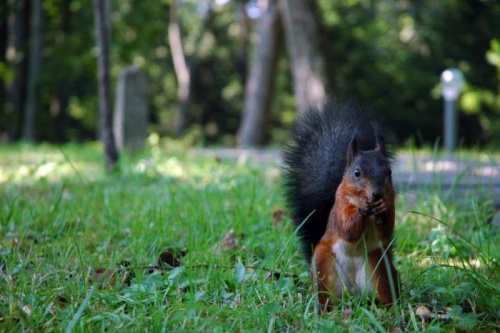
(354, 208)
(326, 275)
(381, 279)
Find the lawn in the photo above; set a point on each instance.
(177, 241)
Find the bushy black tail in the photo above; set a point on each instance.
(314, 163)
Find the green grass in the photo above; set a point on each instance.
(79, 250)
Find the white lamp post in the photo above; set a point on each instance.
(453, 81)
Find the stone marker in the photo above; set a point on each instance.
(131, 110)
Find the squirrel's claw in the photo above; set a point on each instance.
(363, 212)
(364, 209)
(378, 207)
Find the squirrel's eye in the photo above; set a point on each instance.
(357, 173)
(389, 172)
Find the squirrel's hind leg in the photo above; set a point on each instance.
(323, 275)
(385, 277)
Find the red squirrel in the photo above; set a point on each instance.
(338, 185)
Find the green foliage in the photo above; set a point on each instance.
(492, 98)
(80, 250)
(140, 38)
(389, 54)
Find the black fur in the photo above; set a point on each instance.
(315, 159)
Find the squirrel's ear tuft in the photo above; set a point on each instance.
(379, 140)
(352, 151)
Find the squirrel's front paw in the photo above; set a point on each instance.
(364, 209)
(378, 207)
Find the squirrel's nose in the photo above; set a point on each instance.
(377, 195)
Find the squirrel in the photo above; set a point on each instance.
(338, 186)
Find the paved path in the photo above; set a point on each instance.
(456, 178)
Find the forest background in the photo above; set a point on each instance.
(388, 54)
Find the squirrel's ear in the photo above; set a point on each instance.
(352, 151)
(379, 140)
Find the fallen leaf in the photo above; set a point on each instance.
(98, 273)
(229, 242)
(62, 300)
(27, 310)
(171, 257)
(102, 273)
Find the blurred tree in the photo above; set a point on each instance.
(35, 63)
(260, 84)
(386, 53)
(16, 67)
(308, 62)
(390, 55)
(4, 36)
(184, 66)
(19, 32)
(68, 81)
(13, 68)
(493, 58)
(244, 42)
(218, 88)
(60, 100)
(145, 46)
(181, 67)
(103, 36)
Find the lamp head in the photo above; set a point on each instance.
(453, 81)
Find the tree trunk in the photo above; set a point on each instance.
(181, 69)
(183, 66)
(242, 52)
(18, 30)
(260, 85)
(61, 119)
(302, 30)
(103, 35)
(35, 63)
(4, 33)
